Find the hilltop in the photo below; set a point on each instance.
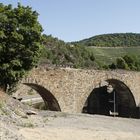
(105, 52)
(112, 40)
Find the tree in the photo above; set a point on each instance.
(20, 43)
(60, 53)
(129, 60)
(112, 66)
(121, 64)
(112, 40)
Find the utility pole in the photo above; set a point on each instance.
(114, 103)
(110, 90)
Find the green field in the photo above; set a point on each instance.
(108, 55)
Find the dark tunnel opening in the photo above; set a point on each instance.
(49, 100)
(114, 99)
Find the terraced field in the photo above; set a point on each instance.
(106, 55)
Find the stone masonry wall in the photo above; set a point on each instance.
(71, 87)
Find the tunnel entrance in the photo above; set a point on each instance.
(50, 101)
(114, 99)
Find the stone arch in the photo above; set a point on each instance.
(49, 99)
(101, 102)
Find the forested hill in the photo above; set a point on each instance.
(112, 40)
(57, 52)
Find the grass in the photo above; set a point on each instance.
(108, 55)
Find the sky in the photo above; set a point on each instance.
(73, 20)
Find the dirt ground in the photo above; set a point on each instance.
(63, 126)
(15, 124)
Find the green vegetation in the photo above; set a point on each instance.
(57, 52)
(20, 43)
(117, 58)
(22, 46)
(106, 56)
(112, 40)
(60, 53)
(126, 62)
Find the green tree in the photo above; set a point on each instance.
(129, 60)
(20, 43)
(58, 52)
(121, 64)
(112, 40)
(112, 66)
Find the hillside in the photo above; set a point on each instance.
(109, 55)
(112, 40)
(57, 52)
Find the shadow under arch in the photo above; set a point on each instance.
(120, 101)
(49, 99)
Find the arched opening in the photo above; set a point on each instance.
(49, 100)
(115, 99)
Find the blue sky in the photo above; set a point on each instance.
(72, 20)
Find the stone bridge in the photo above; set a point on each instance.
(67, 89)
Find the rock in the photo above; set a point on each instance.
(30, 112)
